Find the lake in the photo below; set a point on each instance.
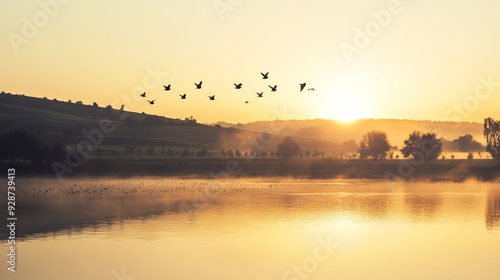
(153, 228)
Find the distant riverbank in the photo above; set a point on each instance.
(445, 170)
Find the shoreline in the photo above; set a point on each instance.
(456, 170)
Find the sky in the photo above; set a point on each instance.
(407, 59)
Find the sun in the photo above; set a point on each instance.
(346, 101)
(345, 109)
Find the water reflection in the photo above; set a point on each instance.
(166, 229)
(309, 201)
(493, 210)
(423, 205)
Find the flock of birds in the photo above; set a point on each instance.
(100, 189)
(265, 76)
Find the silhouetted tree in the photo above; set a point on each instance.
(470, 156)
(467, 143)
(190, 121)
(308, 153)
(18, 146)
(350, 144)
(288, 148)
(202, 153)
(491, 131)
(185, 152)
(374, 144)
(315, 153)
(95, 105)
(425, 145)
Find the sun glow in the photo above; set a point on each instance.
(346, 100)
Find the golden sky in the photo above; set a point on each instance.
(406, 59)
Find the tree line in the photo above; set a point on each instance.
(427, 146)
(419, 145)
(22, 148)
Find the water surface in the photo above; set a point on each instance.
(259, 229)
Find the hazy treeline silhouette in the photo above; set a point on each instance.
(332, 130)
(19, 149)
(465, 143)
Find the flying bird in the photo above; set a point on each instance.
(264, 76)
(143, 94)
(198, 86)
(152, 102)
(246, 102)
(311, 89)
(237, 86)
(212, 97)
(260, 94)
(302, 86)
(273, 88)
(167, 87)
(183, 96)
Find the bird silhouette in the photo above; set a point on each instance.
(198, 86)
(246, 102)
(273, 88)
(264, 76)
(212, 97)
(237, 86)
(183, 96)
(311, 89)
(167, 87)
(260, 94)
(302, 86)
(143, 94)
(152, 102)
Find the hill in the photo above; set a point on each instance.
(140, 134)
(134, 134)
(143, 144)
